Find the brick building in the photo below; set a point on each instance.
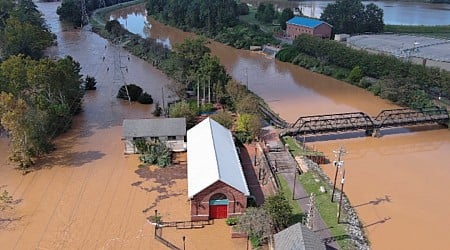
(216, 183)
(303, 25)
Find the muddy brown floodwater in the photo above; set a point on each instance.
(88, 195)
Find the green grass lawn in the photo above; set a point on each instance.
(297, 213)
(327, 209)
(441, 31)
(298, 150)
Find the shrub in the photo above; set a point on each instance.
(158, 110)
(134, 92)
(90, 83)
(232, 221)
(145, 98)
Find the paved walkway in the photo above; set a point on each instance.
(270, 137)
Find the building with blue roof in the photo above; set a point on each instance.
(304, 25)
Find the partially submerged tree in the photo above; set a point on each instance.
(90, 83)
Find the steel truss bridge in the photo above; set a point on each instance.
(354, 121)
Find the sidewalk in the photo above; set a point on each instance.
(270, 136)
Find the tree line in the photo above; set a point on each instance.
(70, 10)
(22, 29)
(391, 78)
(38, 96)
(352, 17)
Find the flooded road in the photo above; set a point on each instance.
(88, 196)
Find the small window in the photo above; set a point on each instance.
(154, 138)
(171, 138)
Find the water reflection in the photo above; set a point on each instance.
(134, 19)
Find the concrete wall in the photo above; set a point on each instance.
(237, 201)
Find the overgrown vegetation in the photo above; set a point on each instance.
(402, 82)
(154, 152)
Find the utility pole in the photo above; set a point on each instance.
(338, 164)
(310, 215)
(246, 77)
(295, 181)
(340, 199)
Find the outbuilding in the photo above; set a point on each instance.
(298, 237)
(303, 25)
(216, 183)
(172, 131)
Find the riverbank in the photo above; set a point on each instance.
(134, 49)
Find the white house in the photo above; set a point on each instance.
(172, 131)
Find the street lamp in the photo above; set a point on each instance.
(338, 164)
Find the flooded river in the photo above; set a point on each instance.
(397, 182)
(88, 196)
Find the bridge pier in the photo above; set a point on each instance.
(373, 132)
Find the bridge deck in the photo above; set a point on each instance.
(332, 123)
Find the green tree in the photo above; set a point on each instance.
(224, 118)
(38, 101)
(182, 109)
(346, 16)
(355, 75)
(249, 124)
(70, 11)
(373, 18)
(24, 38)
(265, 13)
(6, 6)
(286, 14)
(256, 223)
(248, 104)
(243, 9)
(279, 209)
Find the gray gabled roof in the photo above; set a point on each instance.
(154, 127)
(298, 237)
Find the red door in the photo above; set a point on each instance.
(218, 211)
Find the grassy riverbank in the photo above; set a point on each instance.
(311, 182)
(441, 31)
